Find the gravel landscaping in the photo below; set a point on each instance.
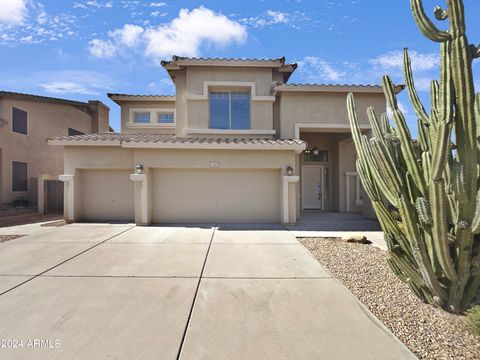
(429, 332)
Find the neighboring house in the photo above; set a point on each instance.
(230, 146)
(26, 121)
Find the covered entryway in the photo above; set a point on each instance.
(108, 195)
(216, 196)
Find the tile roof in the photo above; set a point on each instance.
(175, 58)
(144, 138)
(41, 98)
(333, 87)
(141, 96)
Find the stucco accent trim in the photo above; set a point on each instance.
(158, 145)
(84, 143)
(326, 127)
(69, 181)
(144, 197)
(358, 201)
(229, 132)
(287, 180)
(249, 84)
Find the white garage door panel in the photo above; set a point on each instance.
(108, 195)
(216, 196)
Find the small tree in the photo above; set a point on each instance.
(426, 194)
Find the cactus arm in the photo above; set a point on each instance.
(382, 182)
(438, 201)
(376, 127)
(445, 114)
(412, 92)
(426, 165)
(386, 164)
(404, 135)
(419, 250)
(423, 136)
(426, 25)
(364, 151)
(476, 217)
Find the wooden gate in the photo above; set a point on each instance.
(53, 196)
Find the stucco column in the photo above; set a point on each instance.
(69, 196)
(142, 198)
(289, 213)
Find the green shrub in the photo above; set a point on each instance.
(473, 317)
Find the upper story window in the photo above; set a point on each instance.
(166, 118)
(229, 110)
(142, 117)
(154, 117)
(19, 121)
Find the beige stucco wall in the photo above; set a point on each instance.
(198, 111)
(44, 120)
(323, 108)
(125, 112)
(79, 158)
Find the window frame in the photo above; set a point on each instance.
(154, 112)
(230, 91)
(27, 127)
(27, 187)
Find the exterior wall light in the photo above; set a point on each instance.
(139, 168)
(316, 151)
(289, 171)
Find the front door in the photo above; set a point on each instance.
(313, 188)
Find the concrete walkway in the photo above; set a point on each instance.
(196, 292)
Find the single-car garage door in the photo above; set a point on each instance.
(108, 195)
(216, 196)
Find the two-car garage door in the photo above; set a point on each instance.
(203, 196)
(186, 196)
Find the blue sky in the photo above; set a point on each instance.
(83, 49)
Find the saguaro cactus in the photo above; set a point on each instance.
(426, 193)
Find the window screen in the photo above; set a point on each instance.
(19, 176)
(19, 121)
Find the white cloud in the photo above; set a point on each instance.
(38, 26)
(157, 4)
(270, 18)
(158, 14)
(13, 11)
(101, 48)
(184, 35)
(61, 82)
(67, 87)
(93, 4)
(394, 60)
(128, 35)
(314, 69)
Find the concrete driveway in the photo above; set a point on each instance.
(182, 292)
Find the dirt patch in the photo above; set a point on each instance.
(428, 331)
(29, 218)
(4, 238)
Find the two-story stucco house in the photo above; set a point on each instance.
(236, 143)
(26, 121)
